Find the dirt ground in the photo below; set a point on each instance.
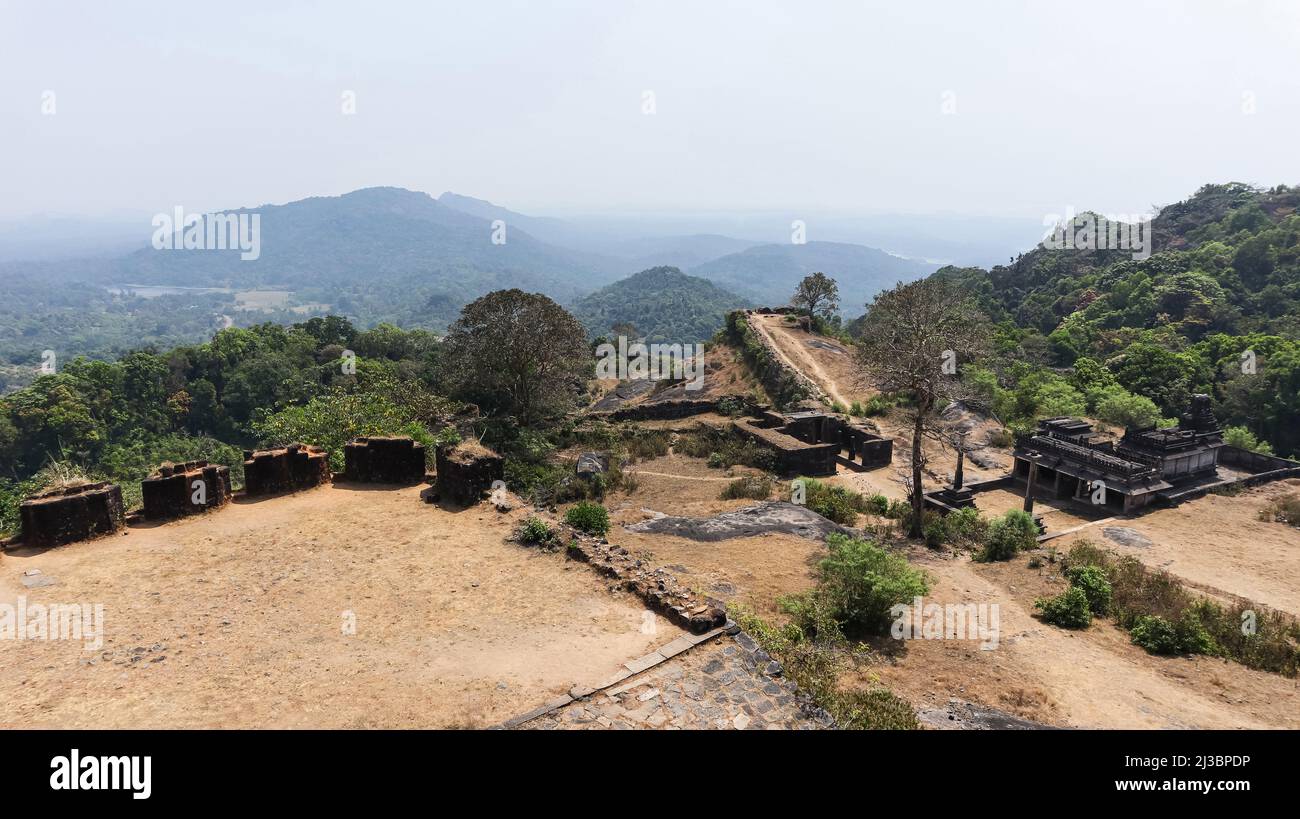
(753, 570)
(1217, 544)
(1094, 678)
(237, 618)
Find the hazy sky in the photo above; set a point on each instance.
(836, 106)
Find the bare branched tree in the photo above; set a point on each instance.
(913, 340)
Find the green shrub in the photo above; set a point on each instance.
(878, 505)
(815, 655)
(716, 461)
(962, 529)
(591, 518)
(1193, 636)
(756, 487)
(862, 581)
(877, 405)
(857, 410)
(933, 530)
(899, 510)
(1200, 626)
(1006, 536)
(1156, 634)
(536, 531)
(732, 405)
(1095, 585)
(1067, 610)
(837, 503)
(876, 709)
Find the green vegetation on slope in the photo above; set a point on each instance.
(662, 303)
(1215, 309)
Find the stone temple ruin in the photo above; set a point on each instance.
(810, 442)
(1067, 458)
(384, 460)
(297, 466)
(185, 489)
(72, 513)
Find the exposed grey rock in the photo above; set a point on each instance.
(762, 518)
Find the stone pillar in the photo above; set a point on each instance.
(1029, 487)
(957, 476)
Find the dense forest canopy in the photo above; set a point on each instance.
(1221, 290)
(663, 304)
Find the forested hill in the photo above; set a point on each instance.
(769, 273)
(1222, 285)
(662, 303)
(379, 254)
(1241, 238)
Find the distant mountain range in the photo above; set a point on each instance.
(663, 303)
(401, 256)
(769, 273)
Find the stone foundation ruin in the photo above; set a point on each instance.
(810, 442)
(187, 488)
(297, 466)
(466, 472)
(384, 460)
(69, 514)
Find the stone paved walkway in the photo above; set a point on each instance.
(717, 685)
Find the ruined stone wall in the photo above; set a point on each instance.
(793, 457)
(466, 472)
(662, 410)
(657, 588)
(865, 446)
(297, 466)
(75, 513)
(384, 460)
(784, 384)
(1254, 462)
(171, 492)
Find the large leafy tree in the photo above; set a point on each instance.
(817, 295)
(517, 353)
(912, 339)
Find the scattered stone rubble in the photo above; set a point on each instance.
(175, 490)
(657, 588)
(384, 460)
(73, 513)
(297, 466)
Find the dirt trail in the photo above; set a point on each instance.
(787, 346)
